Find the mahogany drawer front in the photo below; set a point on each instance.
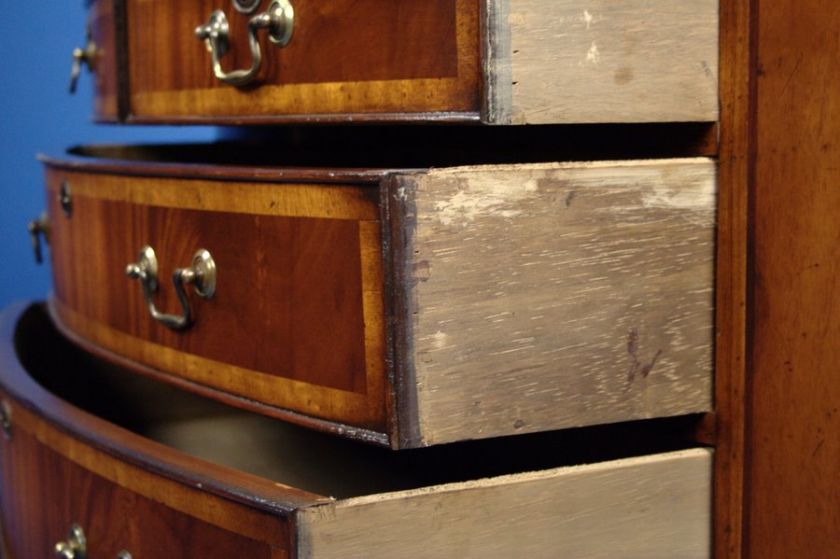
(62, 465)
(495, 61)
(105, 70)
(296, 322)
(420, 308)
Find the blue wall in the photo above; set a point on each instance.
(38, 115)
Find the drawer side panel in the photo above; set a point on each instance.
(604, 61)
(656, 507)
(548, 296)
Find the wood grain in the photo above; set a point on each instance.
(291, 325)
(656, 506)
(735, 175)
(45, 493)
(103, 27)
(548, 296)
(596, 61)
(793, 460)
(345, 57)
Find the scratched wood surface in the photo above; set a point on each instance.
(656, 506)
(549, 296)
(560, 61)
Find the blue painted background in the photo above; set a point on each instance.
(38, 115)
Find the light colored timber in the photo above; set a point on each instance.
(603, 61)
(550, 296)
(655, 507)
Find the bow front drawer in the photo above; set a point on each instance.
(406, 307)
(130, 464)
(497, 61)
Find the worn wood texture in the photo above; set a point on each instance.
(793, 413)
(737, 76)
(346, 57)
(296, 322)
(552, 295)
(656, 506)
(602, 61)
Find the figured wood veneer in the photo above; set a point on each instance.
(346, 56)
(296, 322)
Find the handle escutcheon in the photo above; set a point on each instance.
(201, 275)
(39, 228)
(278, 20)
(75, 547)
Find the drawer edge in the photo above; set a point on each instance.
(651, 506)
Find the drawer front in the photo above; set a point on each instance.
(344, 57)
(118, 507)
(106, 82)
(498, 61)
(296, 319)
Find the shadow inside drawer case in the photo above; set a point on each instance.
(299, 457)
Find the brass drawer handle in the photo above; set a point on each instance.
(86, 56)
(201, 275)
(279, 20)
(75, 547)
(38, 228)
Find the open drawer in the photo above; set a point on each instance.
(494, 61)
(401, 305)
(124, 459)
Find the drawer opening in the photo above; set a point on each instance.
(310, 460)
(404, 147)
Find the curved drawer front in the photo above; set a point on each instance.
(61, 465)
(296, 318)
(345, 57)
(499, 61)
(505, 300)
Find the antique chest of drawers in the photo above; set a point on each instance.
(533, 303)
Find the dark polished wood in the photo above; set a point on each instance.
(296, 321)
(793, 409)
(345, 57)
(45, 493)
(103, 27)
(735, 173)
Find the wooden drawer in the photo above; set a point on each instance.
(497, 61)
(405, 307)
(88, 451)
